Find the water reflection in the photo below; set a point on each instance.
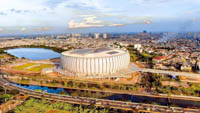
(34, 53)
(112, 96)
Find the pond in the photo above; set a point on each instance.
(33, 53)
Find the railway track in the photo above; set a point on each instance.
(95, 102)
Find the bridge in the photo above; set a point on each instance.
(95, 102)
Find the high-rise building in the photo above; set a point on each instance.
(96, 35)
(76, 35)
(105, 36)
(195, 35)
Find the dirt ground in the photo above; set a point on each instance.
(190, 79)
(135, 78)
(175, 84)
(8, 67)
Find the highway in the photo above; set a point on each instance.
(135, 68)
(96, 102)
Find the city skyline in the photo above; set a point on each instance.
(60, 16)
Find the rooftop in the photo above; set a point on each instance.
(98, 52)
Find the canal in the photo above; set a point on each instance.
(114, 96)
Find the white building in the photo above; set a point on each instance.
(105, 36)
(95, 62)
(137, 46)
(96, 35)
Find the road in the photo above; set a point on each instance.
(96, 102)
(135, 68)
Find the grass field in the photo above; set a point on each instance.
(32, 67)
(1, 56)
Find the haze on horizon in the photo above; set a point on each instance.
(61, 16)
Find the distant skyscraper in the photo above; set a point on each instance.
(76, 35)
(198, 35)
(105, 35)
(195, 35)
(96, 35)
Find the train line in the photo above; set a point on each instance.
(95, 102)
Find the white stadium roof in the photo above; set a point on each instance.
(99, 52)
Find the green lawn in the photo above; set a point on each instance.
(23, 67)
(33, 67)
(147, 55)
(1, 56)
(39, 68)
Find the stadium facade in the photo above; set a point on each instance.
(95, 62)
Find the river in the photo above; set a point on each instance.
(113, 96)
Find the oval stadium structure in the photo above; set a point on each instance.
(95, 62)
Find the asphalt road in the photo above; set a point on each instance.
(135, 68)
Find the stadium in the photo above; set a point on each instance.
(100, 62)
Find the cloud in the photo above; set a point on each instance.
(44, 28)
(80, 6)
(3, 13)
(19, 11)
(87, 22)
(119, 25)
(95, 13)
(76, 25)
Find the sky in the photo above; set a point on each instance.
(63, 16)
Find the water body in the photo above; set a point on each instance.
(43, 89)
(112, 96)
(34, 53)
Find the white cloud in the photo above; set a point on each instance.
(112, 25)
(1, 29)
(76, 25)
(92, 13)
(89, 21)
